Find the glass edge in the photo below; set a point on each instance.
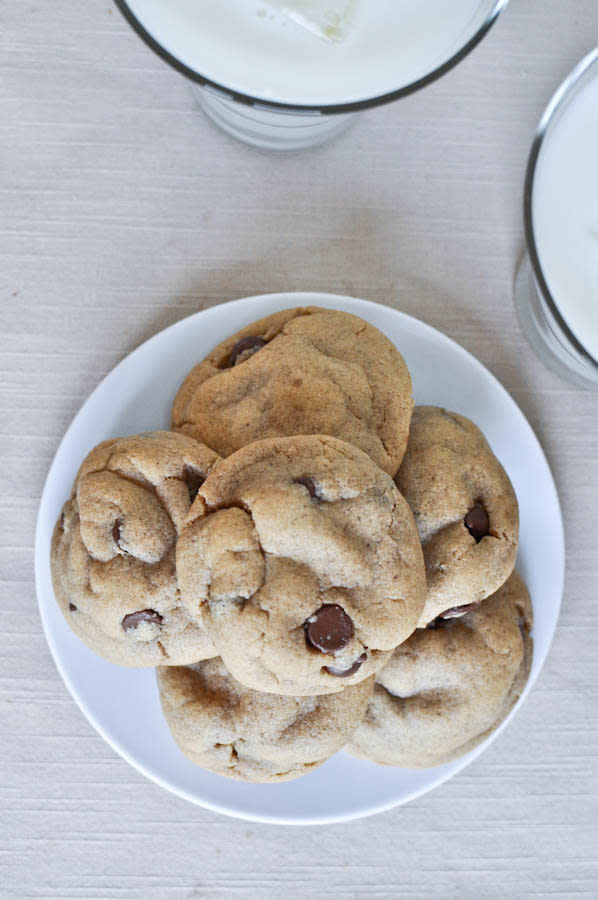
(555, 105)
(323, 109)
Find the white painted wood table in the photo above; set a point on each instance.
(123, 210)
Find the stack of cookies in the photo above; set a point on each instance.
(308, 562)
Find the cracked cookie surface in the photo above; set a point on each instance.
(235, 731)
(301, 559)
(450, 685)
(301, 371)
(113, 550)
(465, 509)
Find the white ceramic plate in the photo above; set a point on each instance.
(123, 705)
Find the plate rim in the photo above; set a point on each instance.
(289, 299)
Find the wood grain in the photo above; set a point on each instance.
(122, 210)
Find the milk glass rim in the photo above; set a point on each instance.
(557, 104)
(324, 109)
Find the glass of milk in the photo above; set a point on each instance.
(556, 285)
(286, 75)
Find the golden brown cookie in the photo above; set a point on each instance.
(465, 509)
(301, 371)
(302, 561)
(113, 550)
(450, 685)
(234, 731)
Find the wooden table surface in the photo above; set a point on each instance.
(123, 210)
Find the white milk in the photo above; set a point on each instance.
(244, 45)
(565, 214)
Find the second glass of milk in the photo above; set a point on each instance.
(556, 286)
(285, 75)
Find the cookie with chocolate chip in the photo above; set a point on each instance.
(301, 371)
(450, 685)
(302, 561)
(235, 731)
(113, 550)
(465, 508)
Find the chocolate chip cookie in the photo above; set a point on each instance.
(234, 731)
(301, 371)
(450, 685)
(465, 508)
(302, 561)
(113, 550)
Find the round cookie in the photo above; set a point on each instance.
(113, 550)
(465, 509)
(232, 730)
(301, 371)
(450, 685)
(303, 562)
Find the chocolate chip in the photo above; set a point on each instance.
(132, 620)
(329, 629)
(524, 626)
(345, 673)
(438, 623)
(116, 531)
(307, 483)
(477, 522)
(245, 348)
(455, 612)
(72, 607)
(194, 480)
(61, 526)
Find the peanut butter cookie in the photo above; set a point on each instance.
(113, 550)
(302, 561)
(234, 731)
(301, 371)
(465, 509)
(450, 685)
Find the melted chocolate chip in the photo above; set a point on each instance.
(307, 483)
(438, 623)
(345, 673)
(524, 626)
(477, 522)
(245, 348)
(61, 526)
(329, 629)
(116, 532)
(132, 620)
(194, 480)
(455, 612)
(72, 607)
